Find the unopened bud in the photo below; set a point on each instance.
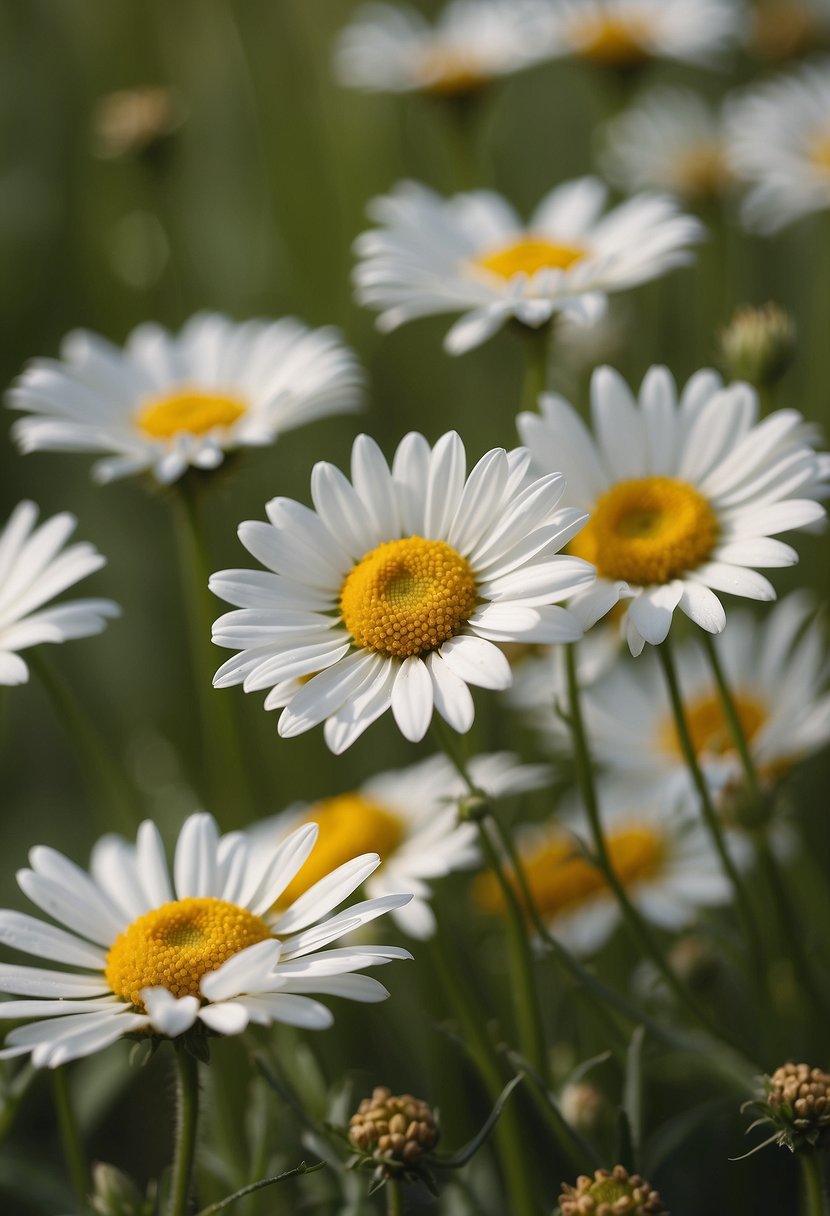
(584, 1106)
(395, 1130)
(610, 1193)
(114, 1194)
(129, 121)
(758, 344)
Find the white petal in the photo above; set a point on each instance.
(412, 699)
(195, 868)
(32, 936)
(451, 696)
(230, 1017)
(477, 662)
(169, 1015)
(326, 894)
(242, 972)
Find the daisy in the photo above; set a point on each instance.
(779, 141)
(473, 254)
(671, 140)
(33, 570)
(167, 402)
(785, 28)
(661, 854)
(395, 590)
(626, 34)
(685, 494)
(540, 679)
(777, 670)
(410, 817)
(155, 953)
(394, 49)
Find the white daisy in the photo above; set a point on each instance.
(685, 494)
(396, 588)
(785, 28)
(625, 34)
(410, 817)
(473, 254)
(540, 678)
(153, 953)
(167, 402)
(779, 141)
(777, 670)
(661, 854)
(394, 49)
(671, 140)
(33, 570)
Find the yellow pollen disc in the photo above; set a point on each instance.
(647, 531)
(407, 597)
(349, 825)
(709, 728)
(173, 946)
(820, 152)
(529, 255)
(451, 73)
(189, 410)
(562, 880)
(617, 42)
(701, 172)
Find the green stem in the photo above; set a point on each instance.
(115, 797)
(814, 1199)
(537, 343)
(733, 720)
(710, 815)
(394, 1198)
(186, 1121)
(73, 1149)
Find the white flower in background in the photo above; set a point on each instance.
(393, 48)
(397, 589)
(540, 680)
(779, 142)
(672, 139)
(626, 34)
(785, 28)
(167, 402)
(473, 254)
(149, 952)
(777, 670)
(34, 568)
(685, 494)
(661, 854)
(410, 817)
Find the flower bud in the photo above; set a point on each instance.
(758, 344)
(397, 1130)
(610, 1193)
(114, 1194)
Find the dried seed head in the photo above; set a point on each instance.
(396, 1129)
(610, 1193)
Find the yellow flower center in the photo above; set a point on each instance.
(407, 597)
(350, 824)
(189, 410)
(613, 41)
(529, 255)
(701, 172)
(649, 530)
(173, 946)
(709, 728)
(451, 73)
(820, 152)
(561, 879)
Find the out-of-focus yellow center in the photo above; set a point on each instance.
(820, 151)
(617, 41)
(189, 410)
(700, 172)
(709, 728)
(350, 824)
(173, 946)
(407, 597)
(528, 256)
(648, 531)
(449, 72)
(561, 879)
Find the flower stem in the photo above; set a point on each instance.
(537, 344)
(394, 1198)
(814, 1199)
(73, 1149)
(187, 1111)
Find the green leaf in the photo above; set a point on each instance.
(471, 1148)
(222, 1204)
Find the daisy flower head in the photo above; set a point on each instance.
(779, 142)
(398, 588)
(208, 947)
(627, 34)
(686, 493)
(410, 817)
(168, 402)
(661, 854)
(671, 140)
(473, 254)
(394, 49)
(35, 566)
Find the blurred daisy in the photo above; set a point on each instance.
(784, 28)
(671, 140)
(392, 48)
(626, 34)
(166, 402)
(473, 254)
(395, 590)
(410, 817)
(540, 679)
(777, 670)
(151, 953)
(661, 855)
(779, 141)
(34, 568)
(685, 494)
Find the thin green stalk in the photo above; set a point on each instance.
(537, 343)
(814, 1199)
(187, 1113)
(733, 720)
(73, 1149)
(394, 1198)
(710, 815)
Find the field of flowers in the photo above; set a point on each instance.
(414, 688)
